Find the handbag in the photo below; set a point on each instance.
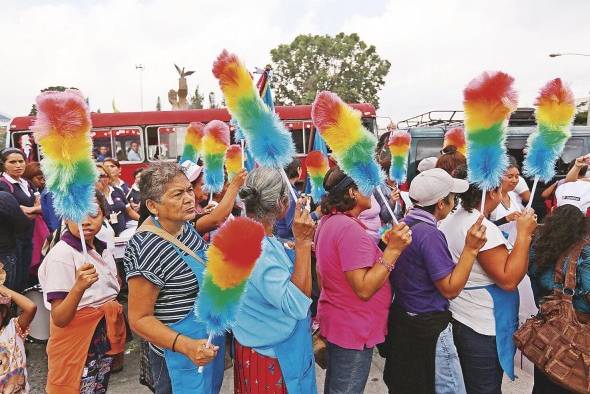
(555, 340)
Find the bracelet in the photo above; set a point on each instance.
(389, 267)
(174, 343)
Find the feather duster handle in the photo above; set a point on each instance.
(215, 145)
(317, 167)
(456, 137)
(62, 129)
(268, 140)
(352, 145)
(233, 161)
(399, 146)
(555, 113)
(228, 269)
(192, 142)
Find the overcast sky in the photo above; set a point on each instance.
(435, 46)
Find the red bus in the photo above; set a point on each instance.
(160, 134)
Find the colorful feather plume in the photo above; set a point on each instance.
(215, 144)
(456, 138)
(193, 142)
(555, 113)
(232, 256)
(317, 166)
(62, 129)
(399, 146)
(233, 161)
(488, 101)
(268, 139)
(352, 145)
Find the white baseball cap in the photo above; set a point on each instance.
(191, 170)
(574, 193)
(427, 163)
(432, 185)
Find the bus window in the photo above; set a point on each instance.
(102, 145)
(25, 142)
(127, 144)
(573, 149)
(165, 142)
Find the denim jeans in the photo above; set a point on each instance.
(9, 261)
(162, 383)
(479, 360)
(448, 374)
(348, 370)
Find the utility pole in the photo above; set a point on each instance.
(140, 68)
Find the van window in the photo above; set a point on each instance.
(428, 147)
(102, 144)
(25, 142)
(165, 142)
(127, 144)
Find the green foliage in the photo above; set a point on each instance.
(581, 118)
(158, 104)
(343, 64)
(196, 101)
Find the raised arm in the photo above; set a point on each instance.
(28, 307)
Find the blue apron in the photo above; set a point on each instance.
(183, 373)
(506, 304)
(295, 355)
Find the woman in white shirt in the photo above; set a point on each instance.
(486, 312)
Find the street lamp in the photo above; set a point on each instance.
(576, 54)
(140, 68)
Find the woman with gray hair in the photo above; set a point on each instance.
(164, 263)
(273, 348)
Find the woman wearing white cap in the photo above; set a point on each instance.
(485, 314)
(213, 215)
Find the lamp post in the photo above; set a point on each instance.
(576, 54)
(140, 68)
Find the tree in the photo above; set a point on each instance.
(158, 104)
(342, 64)
(582, 116)
(196, 101)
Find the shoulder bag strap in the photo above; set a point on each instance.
(569, 279)
(149, 227)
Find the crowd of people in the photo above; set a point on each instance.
(440, 295)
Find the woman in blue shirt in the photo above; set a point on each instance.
(563, 229)
(273, 329)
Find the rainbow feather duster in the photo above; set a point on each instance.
(233, 161)
(227, 273)
(193, 142)
(488, 101)
(215, 144)
(317, 167)
(62, 129)
(268, 140)
(399, 146)
(555, 113)
(456, 138)
(352, 145)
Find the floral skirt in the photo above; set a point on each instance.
(255, 373)
(97, 371)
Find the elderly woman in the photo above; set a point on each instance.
(164, 264)
(353, 274)
(273, 326)
(87, 324)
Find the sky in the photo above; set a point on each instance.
(435, 47)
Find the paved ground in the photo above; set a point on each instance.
(128, 381)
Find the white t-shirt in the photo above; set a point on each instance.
(474, 308)
(520, 188)
(508, 229)
(574, 193)
(57, 274)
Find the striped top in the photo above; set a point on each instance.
(157, 260)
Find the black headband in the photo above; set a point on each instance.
(341, 186)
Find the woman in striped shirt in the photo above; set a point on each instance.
(164, 262)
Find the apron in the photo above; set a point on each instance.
(183, 373)
(506, 304)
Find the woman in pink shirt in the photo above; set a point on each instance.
(353, 274)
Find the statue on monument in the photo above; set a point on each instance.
(178, 99)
